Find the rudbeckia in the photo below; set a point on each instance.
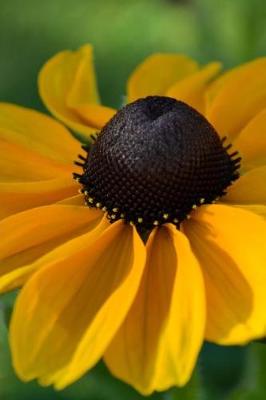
(169, 247)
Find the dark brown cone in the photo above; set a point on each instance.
(155, 161)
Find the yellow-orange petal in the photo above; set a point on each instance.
(77, 200)
(157, 73)
(255, 208)
(16, 197)
(68, 312)
(157, 345)
(29, 235)
(251, 142)
(237, 97)
(38, 133)
(95, 115)
(18, 164)
(250, 188)
(229, 243)
(192, 89)
(20, 275)
(68, 81)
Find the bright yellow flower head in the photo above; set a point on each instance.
(144, 287)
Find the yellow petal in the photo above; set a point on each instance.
(95, 115)
(16, 277)
(249, 188)
(77, 200)
(192, 89)
(15, 197)
(38, 133)
(29, 235)
(67, 81)
(230, 246)
(18, 164)
(157, 345)
(68, 312)
(157, 73)
(251, 142)
(45, 253)
(238, 97)
(255, 208)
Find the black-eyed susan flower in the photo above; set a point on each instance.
(169, 248)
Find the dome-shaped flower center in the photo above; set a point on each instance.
(155, 161)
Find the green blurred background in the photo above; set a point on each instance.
(124, 32)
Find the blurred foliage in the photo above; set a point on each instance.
(124, 32)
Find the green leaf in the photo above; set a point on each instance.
(253, 383)
(222, 369)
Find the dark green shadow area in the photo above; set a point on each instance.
(221, 369)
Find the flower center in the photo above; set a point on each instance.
(154, 162)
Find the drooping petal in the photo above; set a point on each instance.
(192, 89)
(69, 311)
(66, 82)
(16, 197)
(251, 142)
(237, 97)
(158, 344)
(38, 133)
(230, 246)
(29, 235)
(157, 73)
(250, 188)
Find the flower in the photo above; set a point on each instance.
(144, 294)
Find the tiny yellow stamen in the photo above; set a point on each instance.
(165, 216)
